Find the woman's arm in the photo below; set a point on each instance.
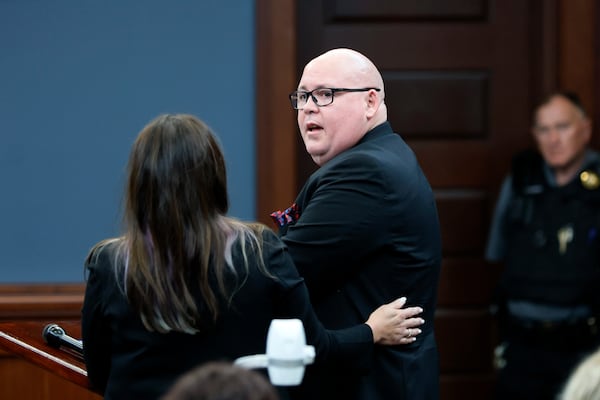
(95, 331)
(353, 346)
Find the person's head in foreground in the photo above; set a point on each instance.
(221, 381)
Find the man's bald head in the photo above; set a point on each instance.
(354, 106)
(352, 66)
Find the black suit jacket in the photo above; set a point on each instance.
(125, 361)
(368, 233)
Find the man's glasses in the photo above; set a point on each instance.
(321, 97)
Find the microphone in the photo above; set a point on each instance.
(287, 353)
(56, 337)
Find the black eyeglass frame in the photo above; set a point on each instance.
(333, 92)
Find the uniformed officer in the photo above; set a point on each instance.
(546, 231)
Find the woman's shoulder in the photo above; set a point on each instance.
(266, 240)
(103, 252)
(260, 231)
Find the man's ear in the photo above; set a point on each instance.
(373, 103)
(532, 131)
(587, 128)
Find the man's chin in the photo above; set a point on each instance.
(555, 161)
(314, 151)
(317, 157)
(560, 164)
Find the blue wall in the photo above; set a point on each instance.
(78, 80)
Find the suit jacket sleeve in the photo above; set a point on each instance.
(95, 329)
(352, 347)
(341, 207)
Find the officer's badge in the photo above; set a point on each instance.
(589, 180)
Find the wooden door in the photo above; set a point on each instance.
(462, 77)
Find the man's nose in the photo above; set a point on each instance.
(554, 134)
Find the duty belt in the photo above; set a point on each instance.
(579, 333)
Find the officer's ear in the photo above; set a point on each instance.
(535, 131)
(586, 129)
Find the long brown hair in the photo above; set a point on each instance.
(176, 233)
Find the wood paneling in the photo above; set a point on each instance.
(41, 301)
(480, 386)
(276, 126)
(406, 9)
(459, 98)
(462, 215)
(20, 379)
(465, 340)
(469, 168)
(467, 282)
(577, 38)
(24, 381)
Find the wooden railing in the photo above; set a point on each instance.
(28, 304)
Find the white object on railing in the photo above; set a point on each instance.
(287, 353)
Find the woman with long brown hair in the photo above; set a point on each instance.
(187, 284)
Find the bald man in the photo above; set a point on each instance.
(364, 229)
(546, 232)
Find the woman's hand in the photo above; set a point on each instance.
(391, 324)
